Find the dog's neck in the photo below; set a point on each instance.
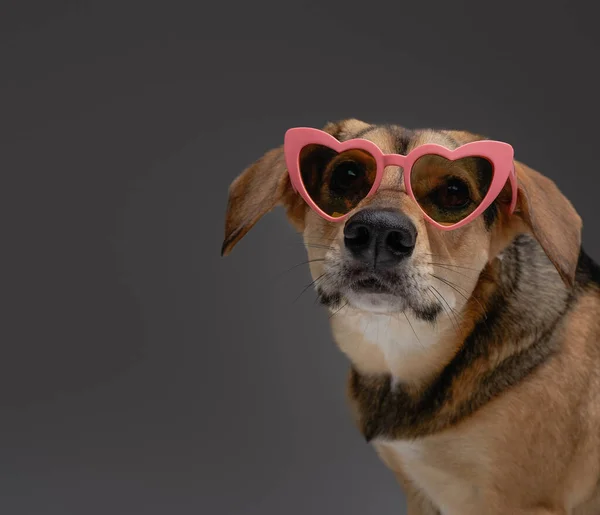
(405, 373)
(407, 349)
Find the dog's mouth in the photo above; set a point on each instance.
(384, 292)
(372, 285)
(375, 293)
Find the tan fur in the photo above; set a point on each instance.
(486, 462)
(533, 449)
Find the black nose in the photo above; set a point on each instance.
(380, 237)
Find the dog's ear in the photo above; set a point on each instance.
(551, 218)
(266, 184)
(255, 192)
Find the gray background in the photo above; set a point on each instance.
(139, 371)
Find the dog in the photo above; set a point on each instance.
(474, 352)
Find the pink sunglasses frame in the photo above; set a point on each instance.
(500, 155)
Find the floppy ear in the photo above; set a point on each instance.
(255, 192)
(264, 185)
(551, 218)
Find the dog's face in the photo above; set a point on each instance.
(386, 258)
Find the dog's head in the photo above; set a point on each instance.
(386, 257)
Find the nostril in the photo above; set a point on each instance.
(361, 235)
(357, 236)
(399, 242)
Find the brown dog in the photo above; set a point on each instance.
(475, 361)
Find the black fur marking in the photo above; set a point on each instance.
(429, 313)
(514, 272)
(403, 138)
(402, 413)
(329, 300)
(455, 143)
(364, 132)
(588, 271)
(490, 215)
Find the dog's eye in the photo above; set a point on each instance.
(346, 176)
(454, 194)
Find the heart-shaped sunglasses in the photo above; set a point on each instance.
(451, 187)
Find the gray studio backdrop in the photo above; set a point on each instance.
(140, 373)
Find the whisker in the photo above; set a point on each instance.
(322, 239)
(337, 311)
(308, 286)
(299, 264)
(453, 271)
(318, 246)
(319, 240)
(448, 311)
(437, 301)
(413, 329)
(455, 288)
(387, 329)
(434, 255)
(433, 322)
(455, 266)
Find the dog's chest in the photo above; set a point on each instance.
(449, 470)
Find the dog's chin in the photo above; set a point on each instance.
(371, 295)
(375, 302)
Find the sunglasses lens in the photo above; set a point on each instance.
(449, 191)
(337, 182)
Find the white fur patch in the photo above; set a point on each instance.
(405, 338)
(397, 334)
(405, 342)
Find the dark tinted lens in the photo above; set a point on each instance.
(337, 182)
(449, 191)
